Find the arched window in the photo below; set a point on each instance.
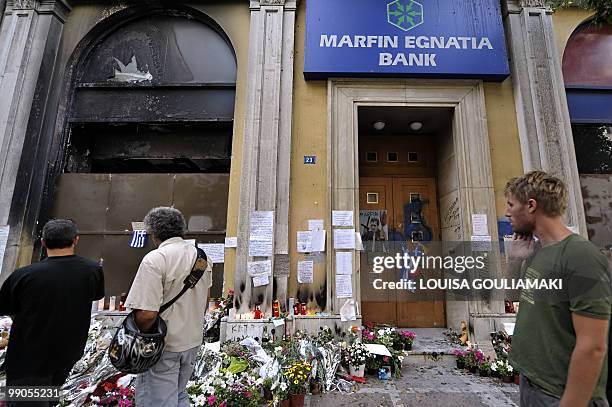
(587, 71)
(155, 95)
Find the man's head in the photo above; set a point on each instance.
(164, 223)
(533, 196)
(59, 234)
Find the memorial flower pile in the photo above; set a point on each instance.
(297, 375)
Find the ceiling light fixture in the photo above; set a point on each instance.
(416, 126)
(379, 125)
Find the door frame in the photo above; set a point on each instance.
(471, 146)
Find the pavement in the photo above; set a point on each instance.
(430, 385)
(426, 381)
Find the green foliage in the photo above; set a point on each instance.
(602, 8)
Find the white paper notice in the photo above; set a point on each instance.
(358, 242)
(262, 233)
(216, 251)
(344, 286)
(342, 218)
(317, 241)
(303, 242)
(344, 263)
(4, 233)
(260, 280)
(344, 238)
(259, 268)
(479, 224)
(315, 224)
(231, 242)
(305, 271)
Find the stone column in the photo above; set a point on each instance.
(265, 171)
(29, 40)
(539, 93)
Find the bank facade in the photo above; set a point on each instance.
(393, 121)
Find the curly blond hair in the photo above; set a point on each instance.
(548, 191)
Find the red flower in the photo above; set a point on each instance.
(223, 403)
(108, 386)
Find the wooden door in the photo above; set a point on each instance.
(422, 308)
(398, 197)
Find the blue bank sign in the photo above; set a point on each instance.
(409, 38)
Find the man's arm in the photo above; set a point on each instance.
(586, 361)
(145, 319)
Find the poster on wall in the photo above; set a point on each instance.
(373, 225)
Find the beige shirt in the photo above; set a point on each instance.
(159, 279)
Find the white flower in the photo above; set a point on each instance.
(494, 366)
(95, 399)
(283, 386)
(510, 369)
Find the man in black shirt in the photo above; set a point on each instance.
(50, 303)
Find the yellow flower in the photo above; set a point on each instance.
(295, 382)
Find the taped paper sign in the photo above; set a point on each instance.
(216, 251)
(305, 272)
(315, 224)
(342, 218)
(303, 242)
(262, 234)
(344, 238)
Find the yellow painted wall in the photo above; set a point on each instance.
(504, 143)
(308, 193)
(565, 21)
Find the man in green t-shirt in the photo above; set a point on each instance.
(560, 339)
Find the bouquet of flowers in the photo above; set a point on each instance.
(243, 389)
(297, 375)
(115, 391)
(474, 358)
(502, 367)
(460, 355)
(406, 338)
(356, 354)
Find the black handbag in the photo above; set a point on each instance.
(133, 351)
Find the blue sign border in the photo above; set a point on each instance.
(467, 21)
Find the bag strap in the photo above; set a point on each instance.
(197, 271)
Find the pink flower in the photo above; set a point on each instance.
(223, 403)
(211, 400)
(247, 394)
(385, 359)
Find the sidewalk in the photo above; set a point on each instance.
(435, 384)
(426, 382)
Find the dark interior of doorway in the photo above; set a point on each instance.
(203, 147)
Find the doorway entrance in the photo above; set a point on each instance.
(398, 209)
